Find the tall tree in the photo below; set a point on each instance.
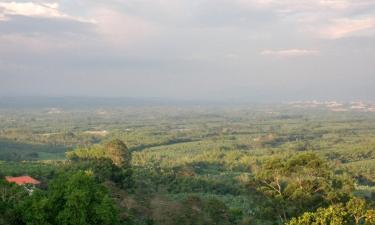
(118, 152)
(301, 183)
(110, 161)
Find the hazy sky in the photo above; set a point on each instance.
(189, 49)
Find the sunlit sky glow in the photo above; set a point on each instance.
(189, 49)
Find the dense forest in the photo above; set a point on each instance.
(194, 165)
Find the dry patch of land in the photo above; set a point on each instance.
(97, 132)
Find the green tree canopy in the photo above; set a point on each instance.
(10, 196)
(118, 152)
(71, 199)
(115, 150)
(355, 212)
(301, 183)
(110, 161)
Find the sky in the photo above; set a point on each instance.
(257, 50)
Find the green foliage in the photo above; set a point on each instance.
(118, 153)
(11, 150)
(355, 212)
(111, 161)
(114, 150)
(191, 165)
(38, 169)
(10, 196)
(191, 210)
(300, 183)
(71, 199)
(104, 170)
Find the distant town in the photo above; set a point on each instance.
(336, 106)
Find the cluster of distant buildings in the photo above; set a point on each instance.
(334, 106)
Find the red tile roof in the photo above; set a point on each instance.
(22, 180)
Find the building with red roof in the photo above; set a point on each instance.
(22, 180)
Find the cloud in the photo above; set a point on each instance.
(290, 52)
(42, 27)
(346, 27)
(38, 10)
(121, 29)
(305, 5)
(332, 19)
(169, 47)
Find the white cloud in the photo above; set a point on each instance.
(31, 9)
(330, 19)
(345, 27)
(305, 5)
(290, 52)
(122, 29)
(40, 44)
